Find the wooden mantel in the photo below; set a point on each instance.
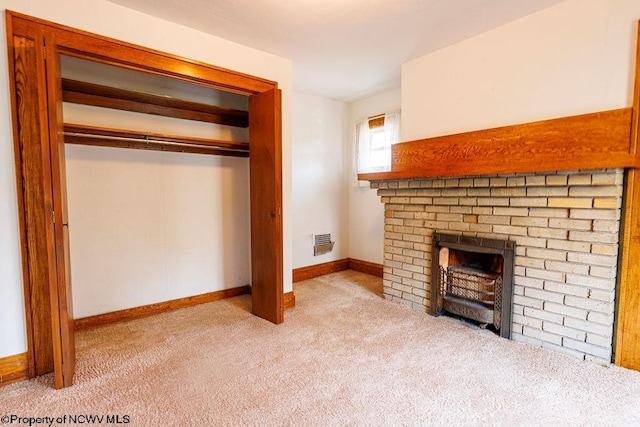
(589, 141)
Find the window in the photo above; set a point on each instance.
(374, 137)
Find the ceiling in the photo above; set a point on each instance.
(342, 49)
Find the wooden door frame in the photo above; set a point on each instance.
(32, 143)
(627, 331)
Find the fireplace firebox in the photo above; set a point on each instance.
(472, 277)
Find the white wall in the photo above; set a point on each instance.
(366, 213)
(320, 197)
(175, 173)
(151, 227)
(573, 58)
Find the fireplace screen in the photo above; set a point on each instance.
(471, 292)
(472, 279)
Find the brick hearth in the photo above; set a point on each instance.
(566, 226)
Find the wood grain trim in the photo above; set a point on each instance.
(157, 308)
(16, 49)
(84, 93)
(589, 141)
(79, 43)
(288, 300)
(627, 335)
(25, 54)
(311, 271)
(366, 267)
(265, 181)
(108, 137)
(13, 369)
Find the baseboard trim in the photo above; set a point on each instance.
(157, 308)
(13, 369)
(16, 368)
(311, 271)
(366, 267)
(289, 300)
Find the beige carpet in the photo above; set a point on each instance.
(344, 356)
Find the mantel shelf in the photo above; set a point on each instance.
(590, 141)
(109, 137)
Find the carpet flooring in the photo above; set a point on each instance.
(343, 356)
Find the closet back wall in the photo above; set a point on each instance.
(148, 226)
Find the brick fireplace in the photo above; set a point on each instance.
(566, 229)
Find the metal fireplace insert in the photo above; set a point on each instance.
(472, 277)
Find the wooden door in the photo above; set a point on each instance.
(265, 159)
(60, 285)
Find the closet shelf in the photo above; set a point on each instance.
(109, 137)
(78, 92)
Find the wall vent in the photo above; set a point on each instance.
(322, 244)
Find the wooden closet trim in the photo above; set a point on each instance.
(94, 47)
(92, 94)
(627, 331)
(29, 41)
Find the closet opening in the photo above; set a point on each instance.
(60, 92)
(162, 224)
